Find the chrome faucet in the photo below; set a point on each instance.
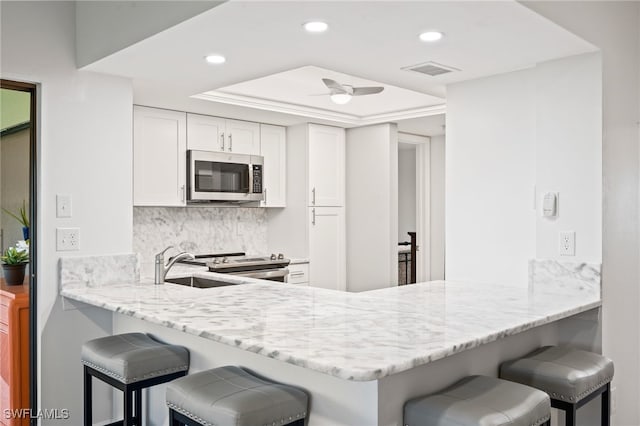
(161, 269)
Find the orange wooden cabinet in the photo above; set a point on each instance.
(14, 352)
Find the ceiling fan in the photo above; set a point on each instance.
(342, 93)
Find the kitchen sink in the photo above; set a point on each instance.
(199, 282)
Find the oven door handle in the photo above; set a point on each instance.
(265, 274)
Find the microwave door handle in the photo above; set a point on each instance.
(222, 141)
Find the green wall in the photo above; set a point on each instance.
(14, 108)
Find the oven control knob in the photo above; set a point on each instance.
(280, 256)
(273, 256)
(216, 261)
(225, 260)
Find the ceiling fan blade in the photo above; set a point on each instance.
(333, 85)
(359, 91)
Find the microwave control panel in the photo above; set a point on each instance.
(257, 178)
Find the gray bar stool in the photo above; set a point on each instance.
(230, 396)
(480, 401)
(571, 377)
(130, 362)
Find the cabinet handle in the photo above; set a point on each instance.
(296, 274)
(313, 196)
(183, 193)
(222, 141)
(230, 142)
(313, 216)
(265, 195)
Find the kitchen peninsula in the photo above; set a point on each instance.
(359, 355)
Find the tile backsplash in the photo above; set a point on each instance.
(198, 230)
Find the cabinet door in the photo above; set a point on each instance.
(206, 133)
(273, 147)
(243, 137)
(159, 157)
(327, 265)
(326, 166)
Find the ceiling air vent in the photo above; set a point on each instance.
(431, 68)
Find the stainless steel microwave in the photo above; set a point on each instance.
(226, 177)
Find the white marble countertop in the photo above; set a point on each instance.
(353, 336)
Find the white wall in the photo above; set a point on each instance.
(490, 170)
(406, 191)
(85, 151)
(372, 207)
(508, 134)
(437, 214)
(569, 153)
(614, 27)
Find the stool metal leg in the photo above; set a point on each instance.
(87, 398)
(606, 406)
(570, 413)
(137, 412)
(128, 407)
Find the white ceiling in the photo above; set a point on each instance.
(303, 87)
(371, 41)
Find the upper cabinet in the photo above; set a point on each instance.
(209, 133)
(206, 133)
(159, 157)
(273, 147)
(243, 137)
(160, 141)
(326, 163)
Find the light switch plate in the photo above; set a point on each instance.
(567, 243)
(63, 205)
(67, 239)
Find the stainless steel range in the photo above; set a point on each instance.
(272, 268)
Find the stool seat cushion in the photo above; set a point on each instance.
(566, 374)
(133, 357)
(480, 401)
(230, 396)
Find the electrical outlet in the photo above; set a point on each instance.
(63, 205)
(67, 239)
(567, 246)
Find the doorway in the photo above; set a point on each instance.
(18, 243)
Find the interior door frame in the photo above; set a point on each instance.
(32, 89)
(423, 202)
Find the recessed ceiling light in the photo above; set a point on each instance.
(315, 26)
(431, 36)
(216, 59)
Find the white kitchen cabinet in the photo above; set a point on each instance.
(298, 274)
(243, 137)
(159, 157)
(273, 147)
(205, 133)
(315, 159)
(327, 248)
(326, 165)
(208, 133)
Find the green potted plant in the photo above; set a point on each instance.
(22, 217)
(14, 263)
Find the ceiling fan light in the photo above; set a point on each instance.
(341, 98)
